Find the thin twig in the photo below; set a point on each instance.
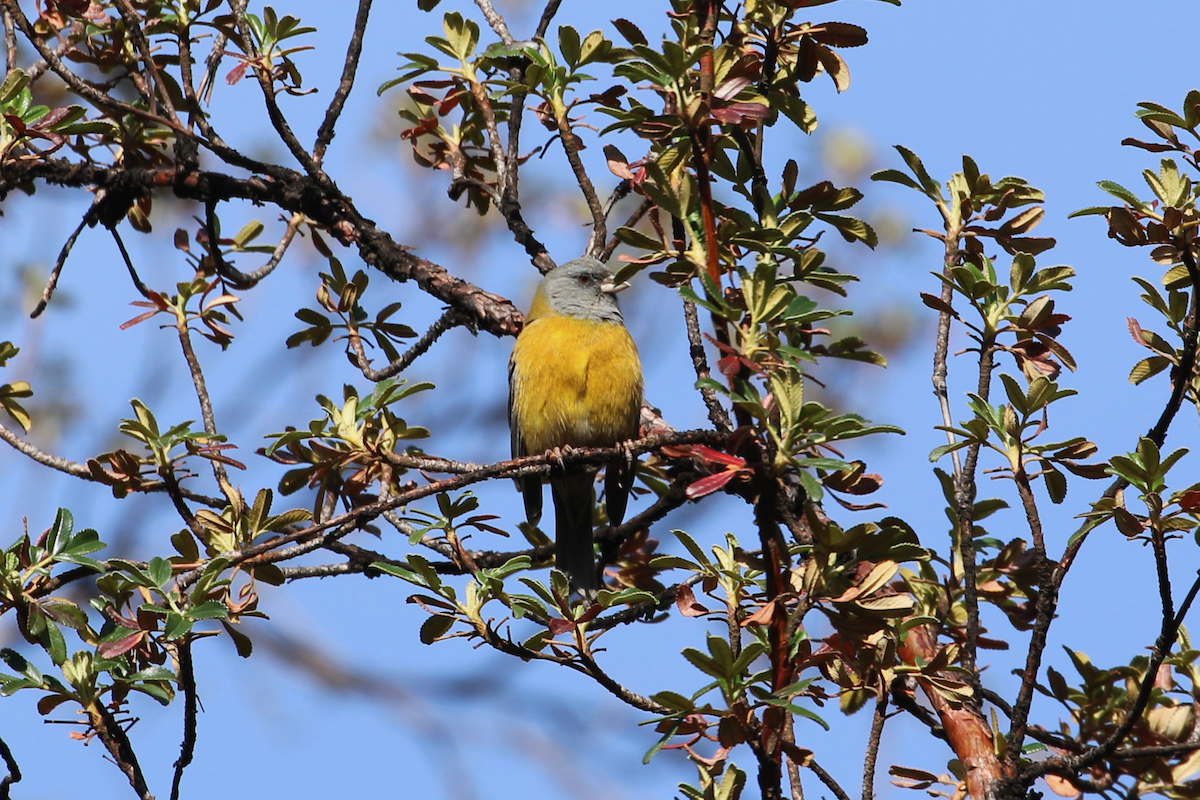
(213, 62)
(827, 779)
(634, 218)
(278, 120)
(326, 132)
(793, 769)
(206, 411)
(112, 735)
(14, 771)
(451, 318)
(187, 684)
(43, 458)
(617, 690)
(142, 289)
(1019, 716)
(872, 755)
(717, 414)
(10, 62)
(599, 224)
(1182, 375)
(52, 281)
(196, 116)
(480, 93)
(247, 280)
(548, 14)
(134, 28)
(496, 21)
(65, 45)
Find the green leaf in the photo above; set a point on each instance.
(929, 186)
(704, 663)
(1121, 193)
(159, 570)
(435, 627)
(209, 609)
(568, 44)
(896, 176)
(153, 674)
(14, 83)
(176, 625)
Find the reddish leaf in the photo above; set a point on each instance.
(123, 621)
(617, 163)
(709, 484)
(236, 74)
(710, 456)
(120, 646)
(1190, 501)
(729, 366)
(761, 617)
(685, 601)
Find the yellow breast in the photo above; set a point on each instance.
(574, 382)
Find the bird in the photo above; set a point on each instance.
(575, 380)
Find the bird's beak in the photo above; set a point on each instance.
(608, 287)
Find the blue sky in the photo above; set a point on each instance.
(1035, 89)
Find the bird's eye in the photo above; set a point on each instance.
(584, 280)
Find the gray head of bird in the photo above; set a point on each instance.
(583, 287)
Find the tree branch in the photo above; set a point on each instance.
(873, 740)
(717, 414)
(451, 318)
(187, 684)
(291, 192)
(14, 771)
(326, 132)
(827, 779)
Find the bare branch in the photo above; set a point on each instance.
(547, 17)
(599, 224)
(10, 63)
(117, 743)
(296, 194)
(326, 132)
(133, 27)
(14, 771)
(872, 755)
(247, 280)
(187, 685)
(213, 62)
(142, 289)
(52, 281)
(827, 779)
(617, 690)
(1037, 642)
(634, 218)
(451, 318)
(495, 20)
(717, 414)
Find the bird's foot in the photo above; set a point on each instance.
(558, 455)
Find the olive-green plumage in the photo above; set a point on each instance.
(574, 380)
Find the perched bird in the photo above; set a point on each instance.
(574, 380)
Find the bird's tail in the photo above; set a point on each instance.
(573, 550)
